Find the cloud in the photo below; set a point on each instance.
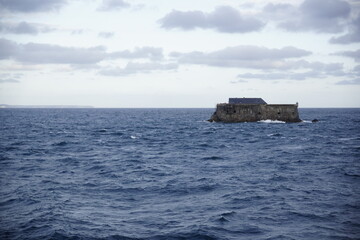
(46, 53)
(320, 16)
(9, 80)
(36, 53)
(143, 52)
(352, 54)
(357, 69)
(355, 81)
(245, 57)
(134, 68)
(28, 6)
(223, 19)
(50, 54)
(106, 34)
(315, 70)
(353, 36)
(24, 28)
(330, 68)
(77, 31)
(7, 48)
(282, 75)
(308, 70)
(110, 5)
(279, 12)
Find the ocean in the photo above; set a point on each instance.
(150, 174)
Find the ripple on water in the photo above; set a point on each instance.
(125, 174)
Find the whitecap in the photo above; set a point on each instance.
(270, 121)
(274, 135)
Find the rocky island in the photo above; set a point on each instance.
(253, 110)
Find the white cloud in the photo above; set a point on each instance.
(134, 68)
(9, 80)
(106, 34)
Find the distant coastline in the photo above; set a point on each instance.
(44, 106)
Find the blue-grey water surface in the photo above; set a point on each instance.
(169, 174)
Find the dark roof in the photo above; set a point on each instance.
(246, 101)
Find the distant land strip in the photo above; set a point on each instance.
(44, 106)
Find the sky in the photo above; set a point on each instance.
(179, 53)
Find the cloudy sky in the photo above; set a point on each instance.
(179, 53)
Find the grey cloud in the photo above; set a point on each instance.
(185, 20)
(134, 68)
(357, 69)
(320, 16)
(7, 48)
(11, 75)
(106, 34)
(223, 19)
(333, 68)
(325, 8)
(53, 54)
(9, 80)
(352, 54)
(45, 53)
(109, 5)
(353, 36)
(31, 5)
(279, 11)
(355, 81)
(281, 7)
(245, 57)
(281, 76)
(143, 52)
(24, 28)
(316, 70)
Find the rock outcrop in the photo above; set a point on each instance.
(231, 113)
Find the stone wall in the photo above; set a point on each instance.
(255, 112)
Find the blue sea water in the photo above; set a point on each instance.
(169, 174)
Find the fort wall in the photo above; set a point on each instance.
(229, 113)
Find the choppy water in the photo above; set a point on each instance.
(168, 174)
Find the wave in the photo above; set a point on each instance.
(195, 235)
(274, 135)
(271, 121)
(213, 158)
(125, 174)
